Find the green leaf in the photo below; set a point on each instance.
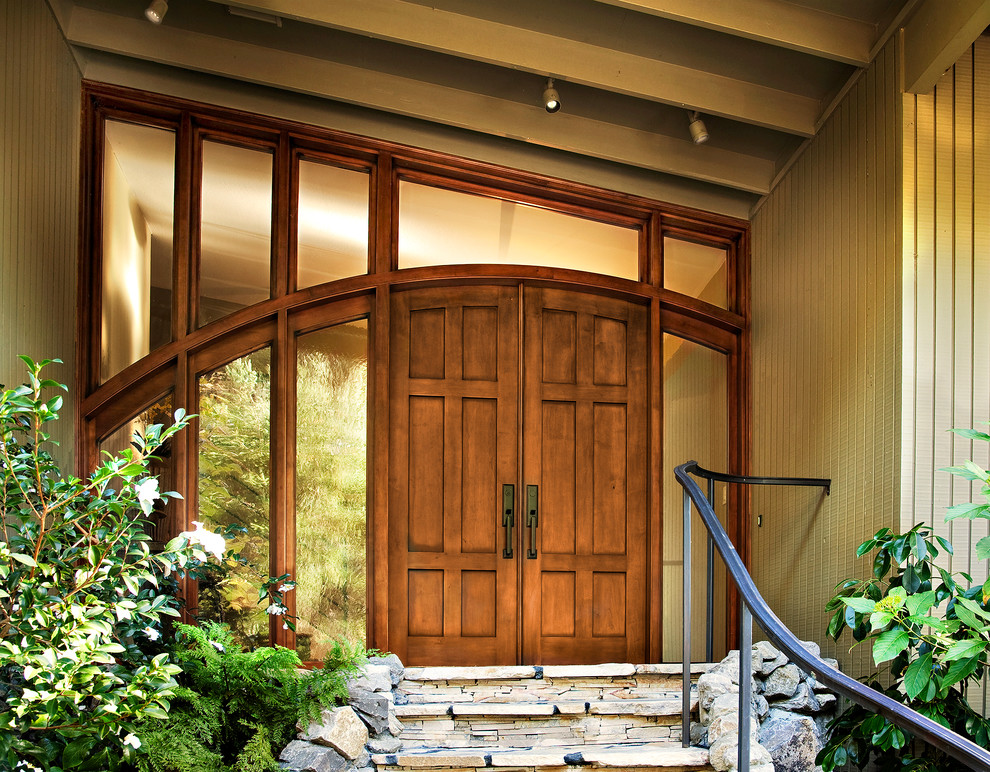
(910, 580)
(970, 510)
(881, 564)
(920, 549)
(862, 605)
(889, 645)
(920, 603)
(986, 591)
(918, 674)
(945, 544)
(983, 548)
(971, 434)
(25, 559)
(865, 547)
(959, 670)
(968, 647)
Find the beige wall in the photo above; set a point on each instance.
(946, 370)
(39, 183)
(826, 353)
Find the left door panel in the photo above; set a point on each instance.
(453, 446)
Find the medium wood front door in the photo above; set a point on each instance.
(544, 391)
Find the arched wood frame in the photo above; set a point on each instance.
(175, 366)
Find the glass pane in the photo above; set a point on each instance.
(333, 223)
(331, 487)
(234, 468)
(138, 200)
(162, 525)
(696, 270)
(696, 421)
(444, 227)
(235, 230)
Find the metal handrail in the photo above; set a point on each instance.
(753, 605)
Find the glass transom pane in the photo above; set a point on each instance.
(444, 227)
(696, 270)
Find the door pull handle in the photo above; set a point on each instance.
(532, 517)
(508, 516)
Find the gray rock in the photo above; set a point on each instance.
(803, 701)
(300, 756)
(729, 704)
(813, 647)
(341, 729)
(783, 682)
(728, 723)
(761, 705)
(710, 686)
(770, 657)
(793, 741)
(395, 726)
(374, 677)
(724, 755)
(395, 667)
(372, 708)
(728, 667)
(384, 744)
(699, 735)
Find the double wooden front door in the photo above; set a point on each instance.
(518, 464)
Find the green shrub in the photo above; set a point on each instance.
(236, 710)
(927, 630)
(81, 596)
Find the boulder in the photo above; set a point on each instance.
(793, 741)
(770, 658)
(340, 729)
(372, 708)
(710, 686)
(300, 756)
(375, 677)
(803, 701)
(724, 755)
(783, 682)
(395, 667)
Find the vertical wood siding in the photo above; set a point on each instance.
(946, 289)
(826, 361)
(39, 182)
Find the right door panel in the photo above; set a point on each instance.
(585, 449)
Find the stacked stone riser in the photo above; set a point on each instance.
(524, 732)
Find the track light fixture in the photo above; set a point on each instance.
(156, 11)
(551, 99)
(699, 132)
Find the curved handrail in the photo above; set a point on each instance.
(955, 745)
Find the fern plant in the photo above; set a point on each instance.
(236, 710)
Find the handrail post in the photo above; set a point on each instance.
(710, 585)
(745, 683)
(686, 628)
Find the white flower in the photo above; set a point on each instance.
(147, 493)
(133, 741)
(152, 633)
(283, 588)
(285, 626)
(219, 647)
(28, 767)
(276, 610)
(211, 542)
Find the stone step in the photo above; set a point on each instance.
(670, 757)
(540, 724)
(588, 683)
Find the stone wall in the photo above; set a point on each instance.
(344, 738)
(790, 710)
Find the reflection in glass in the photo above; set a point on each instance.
(333, 223)
(331, 487)
(235, 230)
(138, 201)
(696, 427)
(160, 521)
(234, 469)
(444, 227)
(696, 270)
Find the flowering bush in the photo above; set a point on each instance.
(81, 596)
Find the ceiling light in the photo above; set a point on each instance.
(156, 11)
(699, 132)
(551, 99)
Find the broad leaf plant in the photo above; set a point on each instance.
(929, 632)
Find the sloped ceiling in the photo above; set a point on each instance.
(761, 73)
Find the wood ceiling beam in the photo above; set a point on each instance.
(775, 22)
(936, 36)
(417, 99)
(547, 55)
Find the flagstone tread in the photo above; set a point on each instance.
(647, 755)
(493, 673)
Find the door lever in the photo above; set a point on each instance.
(508, 516)
(532, 517)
